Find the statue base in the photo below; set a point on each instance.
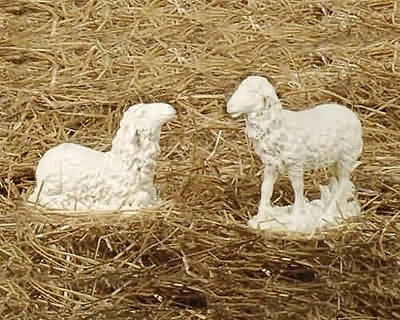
(331, 210)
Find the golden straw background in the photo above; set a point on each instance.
(68, 69)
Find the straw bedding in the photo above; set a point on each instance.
(69, 68)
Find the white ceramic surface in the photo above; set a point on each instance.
(74, 177)
(292, 142)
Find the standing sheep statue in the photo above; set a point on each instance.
(76, 178)
(292, 142)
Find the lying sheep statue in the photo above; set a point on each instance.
(74, 177)
(292, 142)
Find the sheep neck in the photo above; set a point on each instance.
(138, 151)
(261, 123)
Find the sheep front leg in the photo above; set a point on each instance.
(296, 176)
(270, 175)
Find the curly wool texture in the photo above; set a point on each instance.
(74, 177)
(309, 139)
(314, 138)
(292, 142)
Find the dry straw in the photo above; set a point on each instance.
(69, 68)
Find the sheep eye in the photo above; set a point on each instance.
(265, 101)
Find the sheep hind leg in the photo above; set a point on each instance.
(296, 177)
(343, 171)
(42, 193)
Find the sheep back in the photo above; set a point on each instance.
(313, 138)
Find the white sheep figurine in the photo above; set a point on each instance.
(74, 177)
(292, 142)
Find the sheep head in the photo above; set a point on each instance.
(139, 131)
(148, 115)
(253, 94)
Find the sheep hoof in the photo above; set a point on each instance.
(298, 210)
(265, 211)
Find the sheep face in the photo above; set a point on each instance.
(149, 115)
(253, 94)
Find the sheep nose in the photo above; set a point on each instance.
(229, 106)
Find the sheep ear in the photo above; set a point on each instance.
(270, 102)
(266, 102)
(137, 137)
